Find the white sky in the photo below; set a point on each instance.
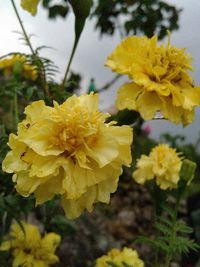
(92, 51)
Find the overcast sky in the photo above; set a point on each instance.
(92, 51)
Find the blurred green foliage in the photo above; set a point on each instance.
(148, 17)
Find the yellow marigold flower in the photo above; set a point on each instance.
(68, 149)
(30, 6)
(160, 79)
(29, 249)
(28, 71)
(163, 164)
(115, 256)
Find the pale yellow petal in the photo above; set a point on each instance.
(48, 189)
(127, 96)
(26, 185)
(148, 104)
(144, 170)
(11, 163)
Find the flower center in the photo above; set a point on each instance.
(77, 130)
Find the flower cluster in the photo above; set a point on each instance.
(163, 163)
(119, 258)
(29, 248)
(160, 79)
(30, 6)
(68, 149)
(8, 64)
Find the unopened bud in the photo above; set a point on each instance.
(188, 170)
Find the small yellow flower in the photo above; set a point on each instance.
(29, 249)
(30, 6)
(160, 79)
(68, 149)
(28, 71)
(163, 164)
(115, 256)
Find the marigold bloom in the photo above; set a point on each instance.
(68, 149)
(160, 79)
(30, 6)
(115, 256)
(28, 71)
(29, 249)
(163, 164)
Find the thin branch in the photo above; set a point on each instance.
(23, 29)
(42, 75)
(107, 85)
(69, 63)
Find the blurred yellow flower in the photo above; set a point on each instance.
(115, 256)
(28, 71)
(160, 79)
(163, 164)
(30, 6)
(29, 249)
(68, 149)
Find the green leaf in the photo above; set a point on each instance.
(169, 211)
(165, 221)
(112, 264)
(30, 92)
(184, 245)
(162, 228)
(183, 228)
(17, 69)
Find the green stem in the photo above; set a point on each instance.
(42, 75)
(23, 29)
(168, 260)
(69, 63)
(169, 256)
(16, 113)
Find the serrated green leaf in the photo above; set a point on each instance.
(183, 228)
(169, 211)
(162, 228)
(165, 220)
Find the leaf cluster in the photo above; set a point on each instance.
(56, 10)
(126, 17)
(171, 236)
(135, 17)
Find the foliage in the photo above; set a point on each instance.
(171, 236)
(126, 17)
(56, 10)
(134, 17)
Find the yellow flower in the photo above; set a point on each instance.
(163, 163)
(30, 6)
(68, 149)
(29, 249)
(28, 71)
(115, 256)
(160, 79)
